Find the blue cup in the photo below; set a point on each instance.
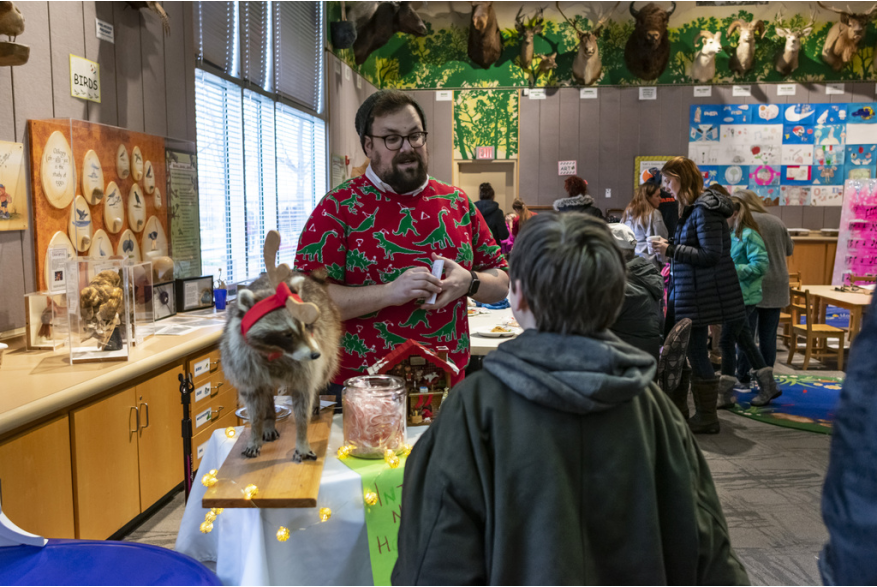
(219, 296)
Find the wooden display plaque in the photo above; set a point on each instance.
(281, 482)
(104, 140)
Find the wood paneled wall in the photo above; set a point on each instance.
(147, 85)
(607, 134)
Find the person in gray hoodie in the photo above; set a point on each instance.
(561, 462)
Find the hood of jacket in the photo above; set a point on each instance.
(569, 373)
(642, 272)
(486, 207)
(574, 203)
(715, 201)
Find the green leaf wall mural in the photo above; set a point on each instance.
(439, 59)
(486, 118)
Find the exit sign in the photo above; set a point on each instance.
(484, 153)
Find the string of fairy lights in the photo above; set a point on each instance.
(324, 514)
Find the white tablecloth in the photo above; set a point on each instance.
(481, 345)
(243, 543)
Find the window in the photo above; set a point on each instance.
(262, 157)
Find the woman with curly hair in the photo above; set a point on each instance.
(578, 200)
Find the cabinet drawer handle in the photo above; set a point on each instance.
(216, 389)
(218, 411)
(147, 415)
(136, 428)
(214, 364)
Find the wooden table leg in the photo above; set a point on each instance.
(855, 321)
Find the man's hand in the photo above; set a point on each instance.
(454, 285)
(416, 283)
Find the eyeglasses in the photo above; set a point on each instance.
(394, 142)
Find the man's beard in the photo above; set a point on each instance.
(403, 180)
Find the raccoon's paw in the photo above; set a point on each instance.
(251, 451)
(298, 457)
(270, 435)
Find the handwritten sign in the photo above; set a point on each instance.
(566, 168)
(857, 239)
(381, 519)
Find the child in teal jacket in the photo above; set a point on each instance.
(750, 259)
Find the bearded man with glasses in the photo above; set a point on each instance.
(379, 234)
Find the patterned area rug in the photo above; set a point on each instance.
(808, 403)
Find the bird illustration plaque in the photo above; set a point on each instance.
(101, 246)
(148, 178)
(80, 228)
(114, 211)
(136, 209)
(128, 246)
(56, 171)
(123, 164)
(92, 178)
(157, 199)
(154, 239)
(137, 164)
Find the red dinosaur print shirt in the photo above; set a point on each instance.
(364, 236)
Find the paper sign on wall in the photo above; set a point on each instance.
(104, 30)
(588, 94)
(358, 82)
(786, 90)
(703, 91)
(566, 168)
(537, 94)
(742, 91)
(444, 96)
(84, 79)
(834, 89)
(648, 93)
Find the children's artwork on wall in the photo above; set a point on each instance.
(856, 243)
(13, 191)
(828, 195)
(769, 194)
(787, 145)
(762, 175)
(704, 133)
(794, 195)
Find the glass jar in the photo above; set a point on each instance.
(375, 415)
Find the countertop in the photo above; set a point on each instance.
(814, 237)
(38, 383)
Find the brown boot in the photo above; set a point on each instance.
(679, 396)
(706, 393)
(767, 387)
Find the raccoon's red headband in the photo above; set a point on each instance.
(269, 304)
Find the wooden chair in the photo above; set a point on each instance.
(785, 314)
(813, 333)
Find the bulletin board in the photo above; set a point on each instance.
(789, 154)
(104, 140)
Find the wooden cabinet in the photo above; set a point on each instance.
(107, 473)
(36, 480)
(214, 402)
(160, 441)
(814, 259)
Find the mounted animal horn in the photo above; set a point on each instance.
(633, 11)
(672, 9)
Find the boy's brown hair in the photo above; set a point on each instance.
(571, 273)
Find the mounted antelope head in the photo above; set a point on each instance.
(703, 69)
(787, 59)
(587, 67)
(527, 32)
(743, 58)
(305, 312)
(647, 51)
(844, 36)
(387, 19)
(485, 40)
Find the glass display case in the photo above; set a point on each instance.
(47, 323)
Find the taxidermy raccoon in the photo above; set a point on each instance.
(292, 348)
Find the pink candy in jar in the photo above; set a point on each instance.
(374, 415)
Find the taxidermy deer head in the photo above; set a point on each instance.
(787, 59)
(647, 51)
(703, 69)
(743, 58)
(843, 38)
(527, 31)
(587, 66)
(485, 40)
(387, 19)
(305, 312)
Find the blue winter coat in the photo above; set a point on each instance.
(705, 284)
(849, 498)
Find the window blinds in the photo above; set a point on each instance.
(260, 164)
(256, 43)
(298, 59)
(218, 39)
